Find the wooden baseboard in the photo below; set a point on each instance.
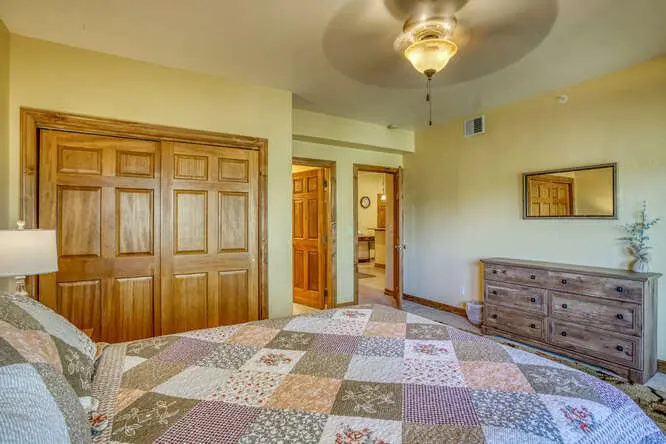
(388, 292)
(380, 265)
(661, 366)
(438, 305)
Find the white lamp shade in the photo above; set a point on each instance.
(27, 252)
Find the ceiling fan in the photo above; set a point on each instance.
(369, 40)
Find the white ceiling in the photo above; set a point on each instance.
(280, 43)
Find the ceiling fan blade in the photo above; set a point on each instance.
(491, 35)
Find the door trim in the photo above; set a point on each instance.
(397, 224)
(329, 167)
(35, 120)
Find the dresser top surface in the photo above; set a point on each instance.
(581, 269)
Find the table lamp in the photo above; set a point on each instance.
(27, 252)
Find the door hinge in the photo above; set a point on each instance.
(325, 291)
(325, 183)
(325, 238)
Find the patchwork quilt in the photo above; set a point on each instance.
(365, 374)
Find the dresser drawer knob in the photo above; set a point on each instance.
(619, 348)
(532, 325)
(564, 282)
(494, 316)
(565, 306)
(532, 300)
(532, 276)
(494, 271)
(564, 333)
(620, 316)
(619, 289)
(494, 291)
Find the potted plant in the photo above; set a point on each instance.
(637, 239)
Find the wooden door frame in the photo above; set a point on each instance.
(329, 168)
(35, 120)
(397, 223)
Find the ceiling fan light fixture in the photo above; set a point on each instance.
(431, 55)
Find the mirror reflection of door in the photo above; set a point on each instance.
(309, 237)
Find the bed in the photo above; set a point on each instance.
(364, 374)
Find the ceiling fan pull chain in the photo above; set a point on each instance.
(429, 102)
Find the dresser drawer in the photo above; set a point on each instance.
(516, 296)
(597, 286)
(518, 275)
(623, 317)
(520, 323)
(602, 344)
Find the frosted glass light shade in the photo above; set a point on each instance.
(27, 252)
(430, 56)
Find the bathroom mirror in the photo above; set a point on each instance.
(582, 192)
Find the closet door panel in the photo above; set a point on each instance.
(210, 236)
(101, 194)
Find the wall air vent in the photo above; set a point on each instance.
(475, 126)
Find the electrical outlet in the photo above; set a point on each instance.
(462, 291)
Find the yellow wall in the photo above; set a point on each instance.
(345, 159)
(4, 124)
(369, 184)
(55, 77)
(464, 195)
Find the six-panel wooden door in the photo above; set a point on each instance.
(153, 237)
(309, 242)
(101, 194)
(210, 238)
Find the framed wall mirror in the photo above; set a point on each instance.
(581, 192)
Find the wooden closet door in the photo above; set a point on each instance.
(101, 194)
(210, 236)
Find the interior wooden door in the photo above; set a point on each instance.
(309, 238)
(101, 194)
(398, 238)
(210, 236)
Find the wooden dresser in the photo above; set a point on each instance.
(601, 316)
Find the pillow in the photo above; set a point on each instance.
(33, 333)
(39, 405)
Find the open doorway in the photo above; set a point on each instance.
(313, 235)
(378, 247)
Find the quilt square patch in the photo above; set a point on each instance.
(342, 344)
(369, 399)
(292, 340)
(500, 435)
(253, 336)
(505, 377)
(431, 350)
(126, 397)
(415, 433)
(273, 360)
(429, 404)
(608, 395)
(247, 388)
(229, 356)
(147, 348)
(375, 368)
(187, 350)
(522, 411)
(474, 351)
(352, 327)
(306, 393)
(381, 313)
(284, 426)
(211, 421)
(388, 329)
(329, 365)
(307, 324)
(150, 373)
(380, 346)
(149, 417)
(276, 323)
(427, 331)
(351, 430)
(132, 361)
(353, 314)
(194, 383)
(415, 319)
(523, 357)
(560, 382)
(423, 371)
(459, 335)
(219, 335)
(575, 418)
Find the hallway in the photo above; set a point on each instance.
(371, 285)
